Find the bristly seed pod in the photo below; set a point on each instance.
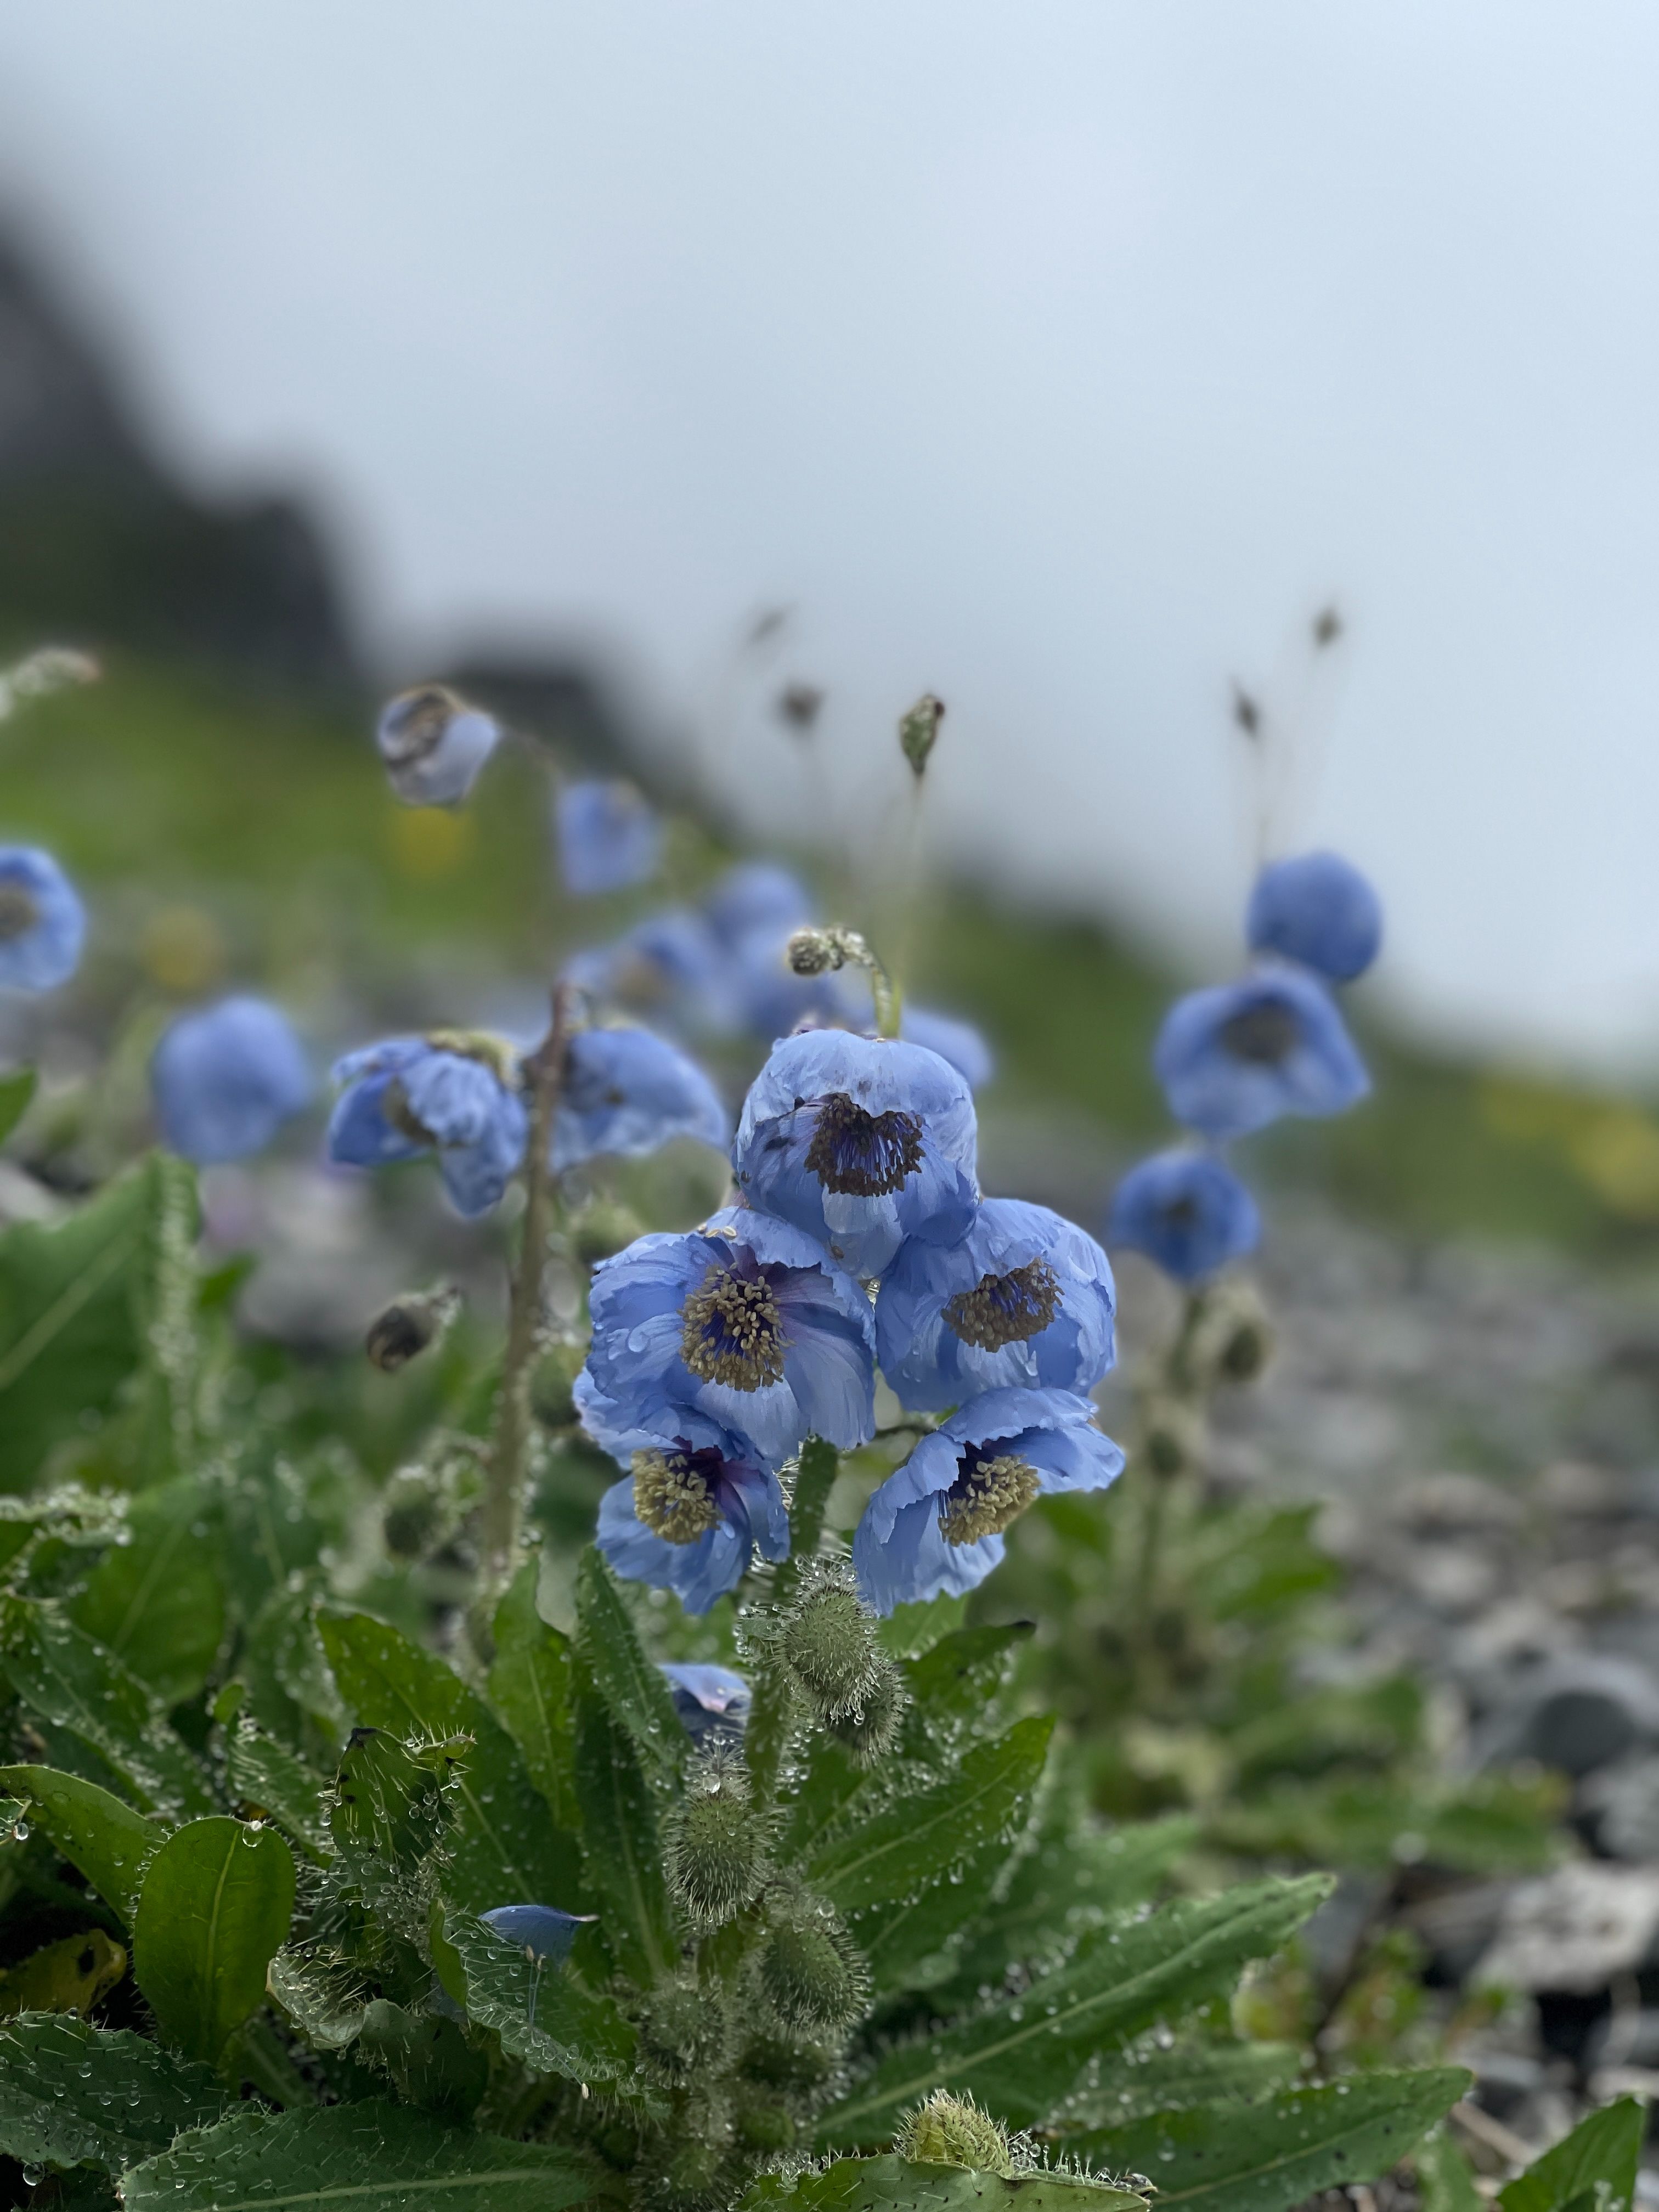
(1172, 1436)
(684, 2030)
(713, 1846)
(950, 2130)
(919, 732)
(869, 1732)
(410, 1325)
(829, 1644)
(810, 1968)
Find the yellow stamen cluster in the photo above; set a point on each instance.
(984, 1498)
(672, 1499)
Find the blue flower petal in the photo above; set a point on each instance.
(626, 1091)
(1234, 1058)
(1187, 1211)
(608, 836)
(1318, 910)
(43, 924)
(541, 1929)
(227, 1078)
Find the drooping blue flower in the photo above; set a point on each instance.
(694, 1508)
(860, 1141)
(1318, 910)
(757, 899)
(608, 834)
(225, 1079)
(43, 924)
(749, 1321)
(670, 969)
(433, 745)
(1234, 1058)
(958, 1041)
(936, 1525)
(1187, 1211)
(446, 1094)
(627, 1091)
(1024, 1300)
(541, 1929)
(712, 1701)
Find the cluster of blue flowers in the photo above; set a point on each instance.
(858, 1237)
(1233, 1058)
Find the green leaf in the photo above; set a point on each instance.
(427, 2058)
(954, 1683)
(1266, 2157)
(620, 1843)
(70, 2094)
(504, 1849)
(910, 1630)
(1020, 2057)
(325, 1997)
(263, 1774)
(391, 1810)
(567, 2030)
(109, 1843)
(634, 1692)
(371, 2156)
(1607, 2146)
(156, 1602)
(529, 1686)
(61, 1673)
(16, 1096)
(894, 2185)
(215, 1906)
(1445, 2182)
(72, 1975)
(815, 1478)
(921, 1838)
(1133, 2084)
(70, 1331)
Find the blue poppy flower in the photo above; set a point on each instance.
(608, 836)
(442, 1094)
(670, 969)
(227, 1078)
(936, 1525)
(694, 1508)
(1187, 1211)
(757, 899)
(433, 745)
(1025, 1299)
(747, 1320)
(43, 924)
(860, 1141)
(627, 1091)
(958, 1041)
(1236, 1057)
(542, 1930)
(712, 1701)
(1317, 910)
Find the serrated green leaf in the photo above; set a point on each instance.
(16, 1096)
(529, 1686)
(620, 1843)
(1266, 2157)
(920, 1838)
(156, 1601)
(1019, 2057)
(634, 1692)
(504, 1849)
(1145, 2079)
(375, 2157)
(71, 2094)
(911, 1944)
(262, 1773)
(427, 2058)
(568, 2029)
(215, 1906)
(63, 1674)
(1607, 2146)
(894, 2184)
(70, 1332)
(109, 1843)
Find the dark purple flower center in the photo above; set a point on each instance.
(860, 1154)
(18, 912)
(394, 1105)
(1005, 1308)
(676, 1492)
(1263, 1034)
(1180, 1212)
(733, 1331)
(994, 1486)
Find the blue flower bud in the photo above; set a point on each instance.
(1187, 1211)
(433, 745)
(608, 837)
(43, 924)
(1236, 1057)
(1318, 911)
(227, 1078)
(543, 1930)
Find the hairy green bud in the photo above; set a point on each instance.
(1232, 1338)
(410, 1326)
(1172, 1436)
(950, 2130)
(869, 1733)
(714, 1847)
(810, 1968)
(684, 2030)
(602, 1228)
(829, 1644)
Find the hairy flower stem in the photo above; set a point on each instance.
(773, 1713)
(1156, 1484)
(510, 1452)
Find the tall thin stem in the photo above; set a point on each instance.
(510, 1453)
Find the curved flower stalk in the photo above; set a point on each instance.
(226, 1078)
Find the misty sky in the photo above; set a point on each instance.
(1062, 358)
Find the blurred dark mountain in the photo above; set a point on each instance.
(100, 547)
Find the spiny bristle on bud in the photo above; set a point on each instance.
(1232, 1338)
(829, 1644)
(950, 2130)
(410, 1325)
(714, 1845)
(810, 1968)
(869, 1732)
